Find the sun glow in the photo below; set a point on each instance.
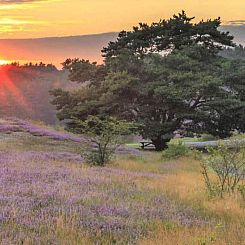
(4, 62)
(9, 91)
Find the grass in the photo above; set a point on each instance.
(138, 199)
(27, 142)
(133, 145)
(182, 182)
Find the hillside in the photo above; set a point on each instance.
(25, 92)
(57, 49)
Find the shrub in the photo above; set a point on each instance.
(96, 157)
(175, 151)
(103, 137)
(228, 167)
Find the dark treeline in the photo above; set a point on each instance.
(36, 66)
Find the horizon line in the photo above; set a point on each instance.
(227, 24)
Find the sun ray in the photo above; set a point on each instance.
(9, 91)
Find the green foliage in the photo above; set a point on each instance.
(189, 89)
(175, 151)
(169, 34)
(84, 71)
(103, 137)
(227, 165)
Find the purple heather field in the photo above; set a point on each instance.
(40, 187)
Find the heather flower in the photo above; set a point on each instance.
(38, 188)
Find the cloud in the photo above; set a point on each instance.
(18, 1)
(12, 21)
(235, 22)
(10, 26)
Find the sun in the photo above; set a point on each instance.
(4, 62)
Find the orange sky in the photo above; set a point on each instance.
(42, 18)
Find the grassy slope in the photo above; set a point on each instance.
(136, 199)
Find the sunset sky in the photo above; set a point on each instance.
(42, 18)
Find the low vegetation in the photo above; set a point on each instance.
(140, 198)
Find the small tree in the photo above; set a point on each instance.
(103, 137)
(227, 165)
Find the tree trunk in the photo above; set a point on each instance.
(160, 144)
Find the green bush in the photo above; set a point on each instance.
(175, 151)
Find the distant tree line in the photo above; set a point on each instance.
(166, 77)
(37, 66)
